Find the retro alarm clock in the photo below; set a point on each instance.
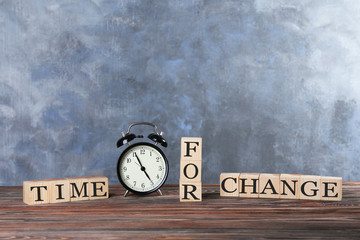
(142, 167)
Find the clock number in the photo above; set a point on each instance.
(142, 168)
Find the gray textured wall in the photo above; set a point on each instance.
(271, 86)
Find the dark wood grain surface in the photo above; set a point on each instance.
(164, 217)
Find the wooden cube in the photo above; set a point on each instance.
(229, 184)
(79, 189)
(59, 190)
(98, 187)
(190, 171)
(269, 185)
(331, 188)
(249, 185)
(191, 148)
(289, 186)
(310, 187)
(190, 192)
(36, 192)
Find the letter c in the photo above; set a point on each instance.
(223, 184)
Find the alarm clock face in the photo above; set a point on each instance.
(142, 168)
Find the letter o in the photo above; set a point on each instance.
(196, 171)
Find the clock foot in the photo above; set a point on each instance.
(127, 191)
(160, 193)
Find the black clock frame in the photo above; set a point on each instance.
(166, 166)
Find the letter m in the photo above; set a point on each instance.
(75, 190)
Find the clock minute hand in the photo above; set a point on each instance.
(148, 177)
(138, 160)
(143, 168)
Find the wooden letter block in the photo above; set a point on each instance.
(284, 186)
(190, 192)
(310, 187)
(99, 187)
(35, 192)
(289, 186)
(79, 189)
(59, 190)
(191, 148)
(269, 185)
(229, 184)
(190, 171)
(65, 189)
(331, 188)
(249, 185)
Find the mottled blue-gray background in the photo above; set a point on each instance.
(270, 85)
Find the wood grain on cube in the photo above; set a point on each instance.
(79, 189)
(289, 186)
(331, 188)
(190, 171)
(190, 192)
(191, 148)
(310, 187)
(98, 187)
(59, 190)
(269, 185)
(249, 185)
(229, 184)
(35, 192)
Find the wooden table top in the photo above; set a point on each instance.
(164, 217)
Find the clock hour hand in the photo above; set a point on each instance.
(143, 168)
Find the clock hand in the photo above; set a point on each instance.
(138, 160)
(148, 177)
(143, 168)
